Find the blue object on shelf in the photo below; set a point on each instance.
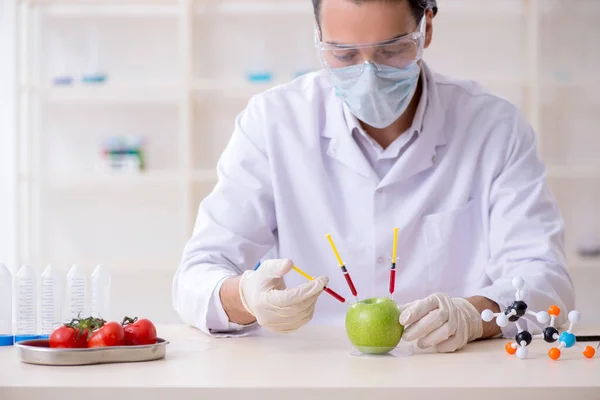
(100, 78)
(63, 80)
(21, 338)
(260, 77)
(7, 340)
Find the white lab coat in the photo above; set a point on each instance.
(469, 198)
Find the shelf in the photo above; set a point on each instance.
(573, 171)
(99, 2)
(274, 7)
(108, 8)
(97, 180)
(204, 176)
(233, 88)
(109, 93)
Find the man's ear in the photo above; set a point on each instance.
(428, 27)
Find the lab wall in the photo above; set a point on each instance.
(126, 107)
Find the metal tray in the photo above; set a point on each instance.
(39, 352)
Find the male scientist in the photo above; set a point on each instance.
(374, 141)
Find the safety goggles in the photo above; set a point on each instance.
(349, 60)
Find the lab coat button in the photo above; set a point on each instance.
(380, 260)
(379, 190)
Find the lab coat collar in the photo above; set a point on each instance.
(344, 149)
(342, 146)
(421, 154)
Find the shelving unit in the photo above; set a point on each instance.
(112, 93)
(158, 89)
(177, 73)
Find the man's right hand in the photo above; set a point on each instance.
(280, 309)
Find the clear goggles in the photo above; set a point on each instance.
(398, 53)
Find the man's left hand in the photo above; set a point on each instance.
(438, 321)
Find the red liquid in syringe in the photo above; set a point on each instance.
(392, 281)
(350, 283)
(335, 295)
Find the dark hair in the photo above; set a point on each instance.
(418, 7)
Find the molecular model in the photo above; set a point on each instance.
(523, 337)
(567, 339)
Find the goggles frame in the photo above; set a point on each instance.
(417, 37)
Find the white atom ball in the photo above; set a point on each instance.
(487, 315)
(518, 282)
(502, 320)
(574, 316)
(522, 352)
(543, 317)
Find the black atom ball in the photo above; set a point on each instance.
(520, 307)
(524, 336)
(549, 333)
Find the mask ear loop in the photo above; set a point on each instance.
(423, 24)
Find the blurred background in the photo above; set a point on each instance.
(114, 113)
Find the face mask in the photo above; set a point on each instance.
(380, 94)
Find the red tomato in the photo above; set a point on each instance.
(139, 332)
(109, 334)
(67, 337)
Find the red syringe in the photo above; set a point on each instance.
(343, 267)
(393, 269)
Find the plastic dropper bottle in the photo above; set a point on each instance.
(26, 304)
(6, 336)
(51, 301)
(100, 286)
(76, 292)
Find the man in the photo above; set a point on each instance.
(375, 141)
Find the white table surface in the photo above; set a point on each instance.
(314, 362)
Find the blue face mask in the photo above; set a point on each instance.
(380, 94)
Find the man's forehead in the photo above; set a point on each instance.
(345, 21)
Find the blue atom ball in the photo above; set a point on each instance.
(568, 339)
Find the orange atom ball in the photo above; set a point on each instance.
(554, 353)
(510, 349)
(554, 311)
(589, 352)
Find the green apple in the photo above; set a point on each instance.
(372, 325)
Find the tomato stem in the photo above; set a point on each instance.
(85, 326)
(128, 320)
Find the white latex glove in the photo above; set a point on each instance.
(276, 307)
(438, 321)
